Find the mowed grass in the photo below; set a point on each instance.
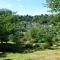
(37, 55)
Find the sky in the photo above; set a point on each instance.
(24, 7)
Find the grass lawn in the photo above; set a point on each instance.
(37, 55)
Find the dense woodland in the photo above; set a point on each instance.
(27, 37)
(41, 31)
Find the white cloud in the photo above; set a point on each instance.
(21, 12)
(39, 13)
(32, 12)
(5, 5)
(9, 5)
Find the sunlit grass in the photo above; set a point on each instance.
(38, 55)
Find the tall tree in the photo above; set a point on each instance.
(54, 5)
(5, 24)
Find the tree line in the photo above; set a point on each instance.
(39, 30)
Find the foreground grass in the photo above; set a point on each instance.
(38, 55)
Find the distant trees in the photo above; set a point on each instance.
(41, 30)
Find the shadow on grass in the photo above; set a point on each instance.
(7, 59)
(18, 48)
(2, 54)
(15, 48)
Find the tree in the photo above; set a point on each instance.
(6, 26)
(54, 5)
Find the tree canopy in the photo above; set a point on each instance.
(54, 5)
(42, 29)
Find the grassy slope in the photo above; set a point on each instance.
(38, 55)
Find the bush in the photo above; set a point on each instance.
(44, 45)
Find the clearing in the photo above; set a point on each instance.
(37, 55)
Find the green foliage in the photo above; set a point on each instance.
(54, 5)
(29, 30)
(5, 25)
